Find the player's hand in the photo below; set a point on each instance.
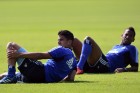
(12, 54)
(118, 70)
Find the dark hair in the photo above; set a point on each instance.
(132, 29)
(67, 34)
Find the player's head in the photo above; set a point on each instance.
(128, 36)
(65, 38)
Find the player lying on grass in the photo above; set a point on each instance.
(104, 65)
(92, 59)
(61, 64)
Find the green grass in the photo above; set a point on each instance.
(87, 83)
(34, 25)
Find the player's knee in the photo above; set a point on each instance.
(9, 45)
(87, 40)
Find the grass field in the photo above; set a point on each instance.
(34, 25)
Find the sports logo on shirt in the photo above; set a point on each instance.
(70, 62)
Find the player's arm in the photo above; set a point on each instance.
(133, 62)
(133, 68)
(77, 47)
(70, 77)
(34, 55)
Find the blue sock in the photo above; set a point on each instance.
(11, 71)
(86, 50)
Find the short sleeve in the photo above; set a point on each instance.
(57, 52)
(134, 54)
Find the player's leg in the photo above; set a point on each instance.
(90, 51)
(96, 52)
(11, 77)
(77, 47)
(3, 75)
(10, 47)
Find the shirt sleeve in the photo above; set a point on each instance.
(57, 52)
(134, 54)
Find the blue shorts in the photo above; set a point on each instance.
(101, 66)
(32, 71)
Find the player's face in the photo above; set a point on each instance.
(62, 41)
(127, 37)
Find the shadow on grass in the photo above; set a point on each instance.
(108, 73)
(81, 82)
(78, 81)
(85, 81)
(99, 73)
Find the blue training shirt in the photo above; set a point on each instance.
(120, 56)
(61, 64)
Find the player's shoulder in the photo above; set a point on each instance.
(63, 48)
(131, 47)
(60, 48)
